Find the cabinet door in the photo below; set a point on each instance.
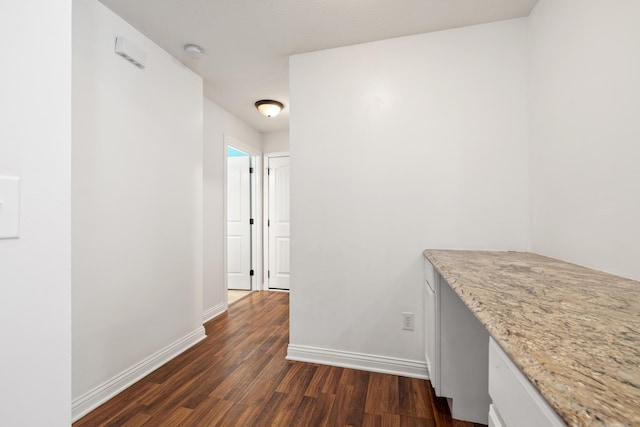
(516, 400)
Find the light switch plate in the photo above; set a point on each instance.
(9, 207)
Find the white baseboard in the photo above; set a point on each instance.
(213, 312)
(365, 362)
(105, 391)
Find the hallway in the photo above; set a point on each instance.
(238, 376)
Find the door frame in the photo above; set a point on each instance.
(256, 209)
(265, 217)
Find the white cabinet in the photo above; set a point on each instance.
(481, 386)
(516, 403)
(494, 418)
(456, 350)
(430, 325)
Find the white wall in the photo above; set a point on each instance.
(274, 142)
(35, 270)
(398, 146)
(218, 123)
(585, 131)
(137, 201)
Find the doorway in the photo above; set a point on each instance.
(239, 231)
(242, 203)
(278, 221)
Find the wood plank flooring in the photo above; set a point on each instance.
(234, 295)
(238, 376)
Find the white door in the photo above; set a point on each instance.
(238, 223)
(278, 223)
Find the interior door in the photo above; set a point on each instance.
(238, 222)
(278, 223)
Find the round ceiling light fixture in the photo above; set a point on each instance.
(269, 108)
(194, 51)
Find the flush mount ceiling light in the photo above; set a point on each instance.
(269, 108)
(194, 51)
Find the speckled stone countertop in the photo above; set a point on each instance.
(574, 332)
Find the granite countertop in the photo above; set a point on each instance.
(574, 332)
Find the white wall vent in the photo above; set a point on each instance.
(130, 52)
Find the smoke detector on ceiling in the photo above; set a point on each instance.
(194, 51)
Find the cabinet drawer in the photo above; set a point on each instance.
(514, 398)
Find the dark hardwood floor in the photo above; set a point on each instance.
(238, 376)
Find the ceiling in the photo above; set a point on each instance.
(248, 42)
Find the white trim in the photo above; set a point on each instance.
(105, 391)
(277, 154)
(256, 284)
(230, 140)
(365, 362)
(213, 312)
(225, 269)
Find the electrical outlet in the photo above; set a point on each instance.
(407, 321)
